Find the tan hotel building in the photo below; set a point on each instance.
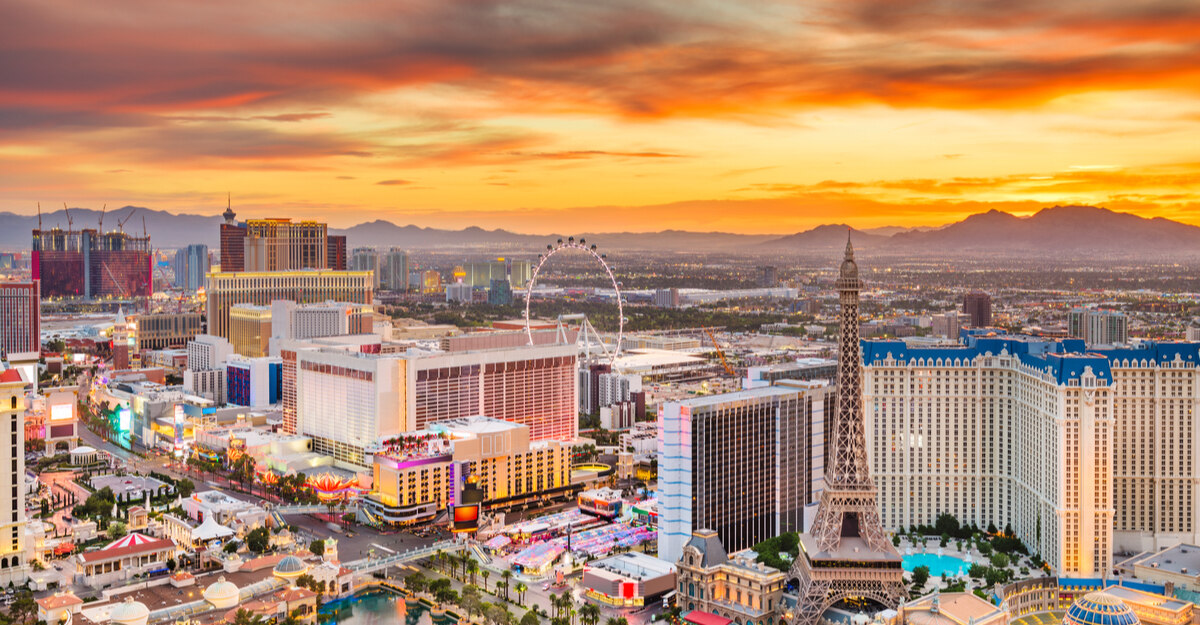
(225, 289)
(1085, 452)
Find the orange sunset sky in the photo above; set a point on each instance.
(757, 116)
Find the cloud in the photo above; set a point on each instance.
(393, 182)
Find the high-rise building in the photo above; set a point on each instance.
(367, 259)
(345, 394)
(945, 325)
(431, 282)
(978, 307)
(208, 352)
(460, 292)
(667, 298)
(253, 382)
(20, 317)
(500, 293)
(233, 243)
(768, 276)
(1084, 451)
(1103, 327)
(394, 270)
(250, 329)
(191, 265)
(845, 553)
(14, 554)
(165, 330)
(290, 320)
(224, 290)
(279, 244)
(514, 271)
(90, 264)
(744, 464)
(335, 255)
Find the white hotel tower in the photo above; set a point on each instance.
(1084, 452)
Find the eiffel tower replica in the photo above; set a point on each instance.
(845, 555)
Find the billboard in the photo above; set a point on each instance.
(465, 518)
(62, 412)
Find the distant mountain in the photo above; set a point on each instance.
(829, 236)
(1086, 230)
(887, 231)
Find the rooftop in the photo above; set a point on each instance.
(1181, 559)
(635, 565)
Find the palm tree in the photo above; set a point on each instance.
(437, 557)
(589, 614)
(502, 585)
(617, 621)
(472, 568)
(246, 617)
(507, 575)
(485, 574)
(521, 588)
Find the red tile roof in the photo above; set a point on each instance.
(53, 602)
(11, 375)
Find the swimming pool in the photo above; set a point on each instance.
(938, 565)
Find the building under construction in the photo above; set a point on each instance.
(90, 264)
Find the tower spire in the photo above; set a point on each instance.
(849, 246)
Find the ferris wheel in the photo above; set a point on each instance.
(581, 245)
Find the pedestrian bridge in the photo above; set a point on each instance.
(367, 566)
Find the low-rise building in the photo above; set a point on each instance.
(123, 559)
(628, 579)
(736, 588)
(414, 472)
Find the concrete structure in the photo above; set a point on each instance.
(418, 474)
(90, 264)
(978, 308)
(165, 330)
(346, 395)
(459, 292)
(1103, 327)
(1178, 566)
(279, 244)
(366, 259)
(393, 270)
(745, 464)
(290, 320)
(20, 317)
(191, 265)
(945, 325)
(951, 608)
(250, 330)
(209, 384)
(228, 289)
(667, 298)
(1085, 452)
(253, 382)
(628, 579)
(736, 588)
(803, 369)
(15, 551)
(208, 352)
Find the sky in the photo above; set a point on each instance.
(754, 116)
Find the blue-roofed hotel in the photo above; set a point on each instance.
(1084, 451)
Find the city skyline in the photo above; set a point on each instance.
(531, 117)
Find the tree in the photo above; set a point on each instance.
(999, 560)
(307, 581)
(920, 575)
(472, 568)
(485, 574)
(416, 583)
(231, 546)
(895, 540)
(23, 608)
(172, 565)
(589, 614)
(530, 619)
(471, 601)
(946, 524)
(185, 487)
(502, 585)
(246, 617)
(116, 529)
(507, 575)
(317, 547)
(258, 539)
(521, 588)
(621, 620)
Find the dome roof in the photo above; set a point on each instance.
(221, 589)
(130, 612)
(1100, 608)
(83, 449)
(291, 565)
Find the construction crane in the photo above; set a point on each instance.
(121, 222)
(720, 354)
(66, 210)
(102, 209)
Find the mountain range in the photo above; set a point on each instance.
(1080, 230)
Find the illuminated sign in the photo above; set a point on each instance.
(466, 518)
(62, 412)
(124, 416)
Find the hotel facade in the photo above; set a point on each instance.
(1084, 452)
